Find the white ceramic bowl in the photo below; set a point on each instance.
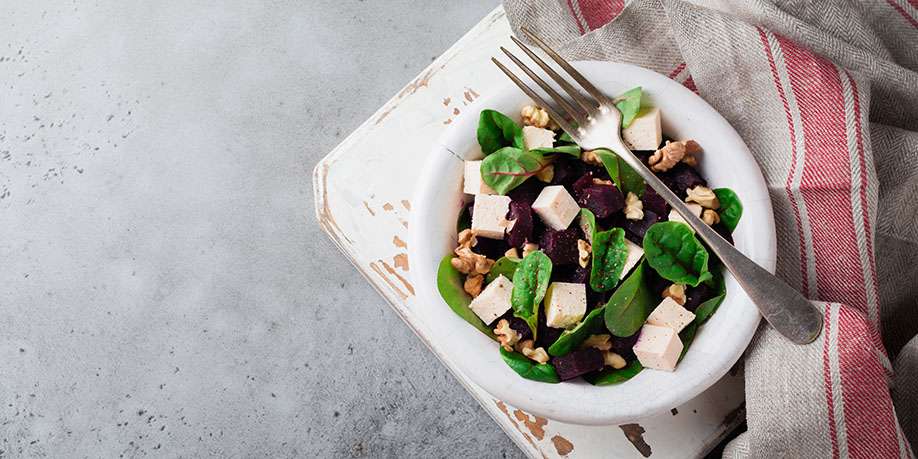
(719, 343)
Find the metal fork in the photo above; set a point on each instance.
(595, 124)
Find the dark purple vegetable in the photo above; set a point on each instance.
(547, 335)
(654, 202)
(527, 192)
(491, 248)
(577, 363)
(585, 181)
(682, 177)
(596, 299)
(573, 274)
(602, 200)
(636, 228)
(567, 170)
(561, 246)
(623, 346)
(521, 215)
(723, 231)
(694, 296)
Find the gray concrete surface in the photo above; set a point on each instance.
(165, 289)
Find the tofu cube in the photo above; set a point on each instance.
(472, 182)
(556, 207)
(645, 132)
(534, 137)
(695, 208)
(494, 300)
(670, 314)
(658, 347)
(489, 215)
(635, 252)
(565, 304)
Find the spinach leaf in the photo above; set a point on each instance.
(702, 313)
(450, 285)
(609, 255)
(496, 130)
(530, 281)
(509, 167)
(590, 325)
(565, 138)
(505, 266)
(629, 305)
(588, 224)
(731, 209)
(687, 335)
(675, 254)
(609, 376)
(625, 178)
(705, 310)
(572, 150)
(522, 365)
(629, 104)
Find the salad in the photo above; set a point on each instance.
(570, 262)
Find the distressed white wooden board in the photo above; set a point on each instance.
(362, 192)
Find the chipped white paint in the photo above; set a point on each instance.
(361, 202)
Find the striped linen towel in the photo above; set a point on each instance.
(825, 95)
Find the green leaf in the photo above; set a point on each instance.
(705, 310)
(609, 255)
(509, 167)
(592, 324)
(675, 254)
(530, 281)
(496, 131)
(450, 285)
(588, 224)
(731, 209)
(565, 138)
(687, 335)
(505, 266)
(610, 376)
(572, 150)
(629, 305)
(624, 176)
(629, 104)
(528, 369)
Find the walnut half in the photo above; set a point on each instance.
(676, 292)
(634, 208)
(665, 158)
(533, 115)
(538, 354)
(506, 335)
(704, 196)
(583, 252)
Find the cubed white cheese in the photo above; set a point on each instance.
(635, 252)
(670, 314)
(494, 300)
(658, 347)
(489, 215)
(534, 137)
(472, 182)
(556, 207)
(694, 208)
(565, 304)
(644, 133)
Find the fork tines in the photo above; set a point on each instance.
(582, 107)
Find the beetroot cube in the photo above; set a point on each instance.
(573, 274)
(623, 346)
(561, 246)
(567, 170)
(682, 177)
(491, 248)
(723, 231)
(521, 215)
(585, 181)
(602, 200)
(654, 202)
(694, 296)
(637, 228)
(527, 192)
(578, 363)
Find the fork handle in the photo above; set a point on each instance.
(783, 307)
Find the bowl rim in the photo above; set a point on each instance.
(531, 396)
